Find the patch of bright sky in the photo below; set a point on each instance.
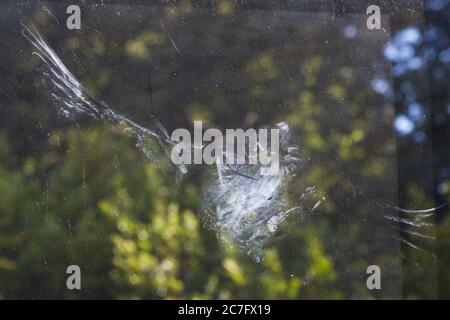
(403, 124)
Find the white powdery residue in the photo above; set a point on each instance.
(72, 99)
(241, 204)
(248, 207)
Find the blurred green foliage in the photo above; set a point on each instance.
(106, 209)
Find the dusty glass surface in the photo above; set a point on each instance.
(86, 176)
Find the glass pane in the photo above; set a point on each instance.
(92, 96)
